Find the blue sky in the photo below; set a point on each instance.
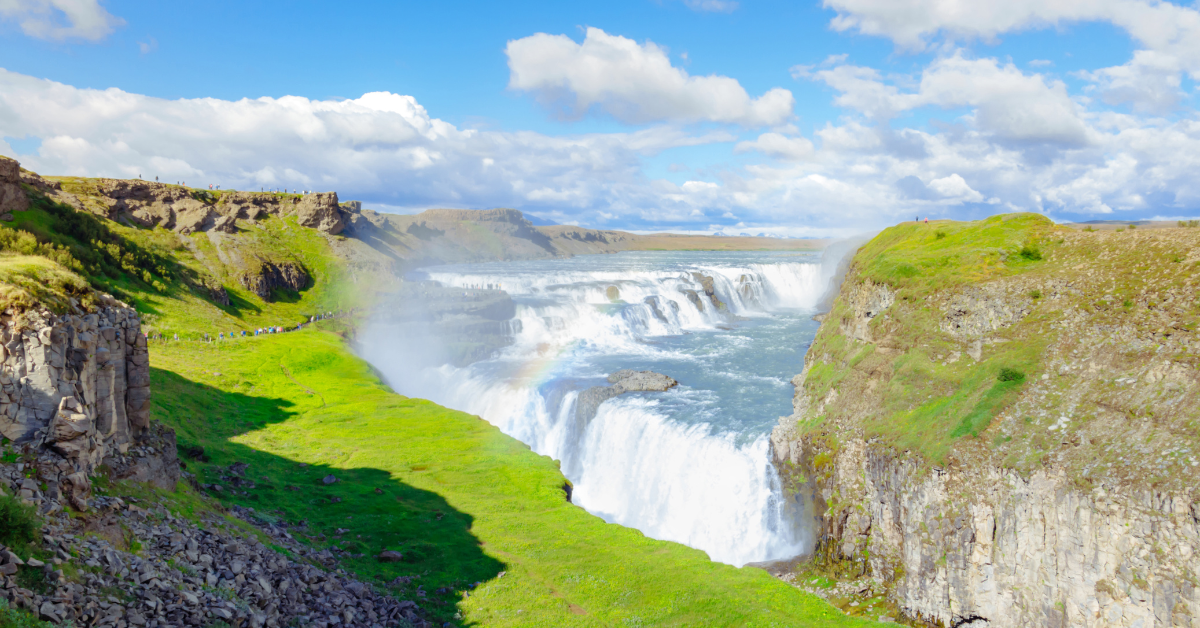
(791, 118)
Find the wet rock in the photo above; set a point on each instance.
(709, 286)
(659, 307)
(625, 380)
(589, 402)
(641, 380)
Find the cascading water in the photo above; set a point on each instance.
(689, 465)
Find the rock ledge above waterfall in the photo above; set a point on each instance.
(629, 380)
(624, 380)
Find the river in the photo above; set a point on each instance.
(689, 465)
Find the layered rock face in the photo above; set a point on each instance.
(185, 210)
(992, 547)
(321, 212)
(12, 198)
(286, 275)
(76, 390)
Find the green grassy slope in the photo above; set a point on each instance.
(927, 402)
(459, 499)
(166, 276)
(1101, 308)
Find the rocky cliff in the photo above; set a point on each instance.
(76, 394)
(188, 210)
(12, 198)
(997, 421)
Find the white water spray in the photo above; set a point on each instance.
(655, 461)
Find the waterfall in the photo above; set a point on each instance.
(676, 465)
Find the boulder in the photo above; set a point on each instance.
(320, 211)
(389, 556)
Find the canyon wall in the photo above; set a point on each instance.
(1074, 501)
(76, 394)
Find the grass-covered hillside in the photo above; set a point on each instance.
(1016, 342)
(460, 500)
(484, 526)
(185, 284)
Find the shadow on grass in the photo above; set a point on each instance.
(283, 295)
(363, 513)
(239, 306)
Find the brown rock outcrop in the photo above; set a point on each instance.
(320, 211)
(253, 205)
(12, 197)
(271, 275)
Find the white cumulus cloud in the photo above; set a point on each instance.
(381, 146)
(60, 20)
(1149, 82)
(779, 146)
(955, 188)
(1157, 24)
(1009, 104)
(634, 83)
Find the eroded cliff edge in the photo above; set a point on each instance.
(999, 420)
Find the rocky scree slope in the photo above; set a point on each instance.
(1000, 421)
(75, 397)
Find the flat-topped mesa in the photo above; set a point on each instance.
(76, 394)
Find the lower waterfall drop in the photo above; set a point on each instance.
(689, 465)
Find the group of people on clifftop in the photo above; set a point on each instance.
(242, 333)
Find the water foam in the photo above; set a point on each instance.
(636, 463)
